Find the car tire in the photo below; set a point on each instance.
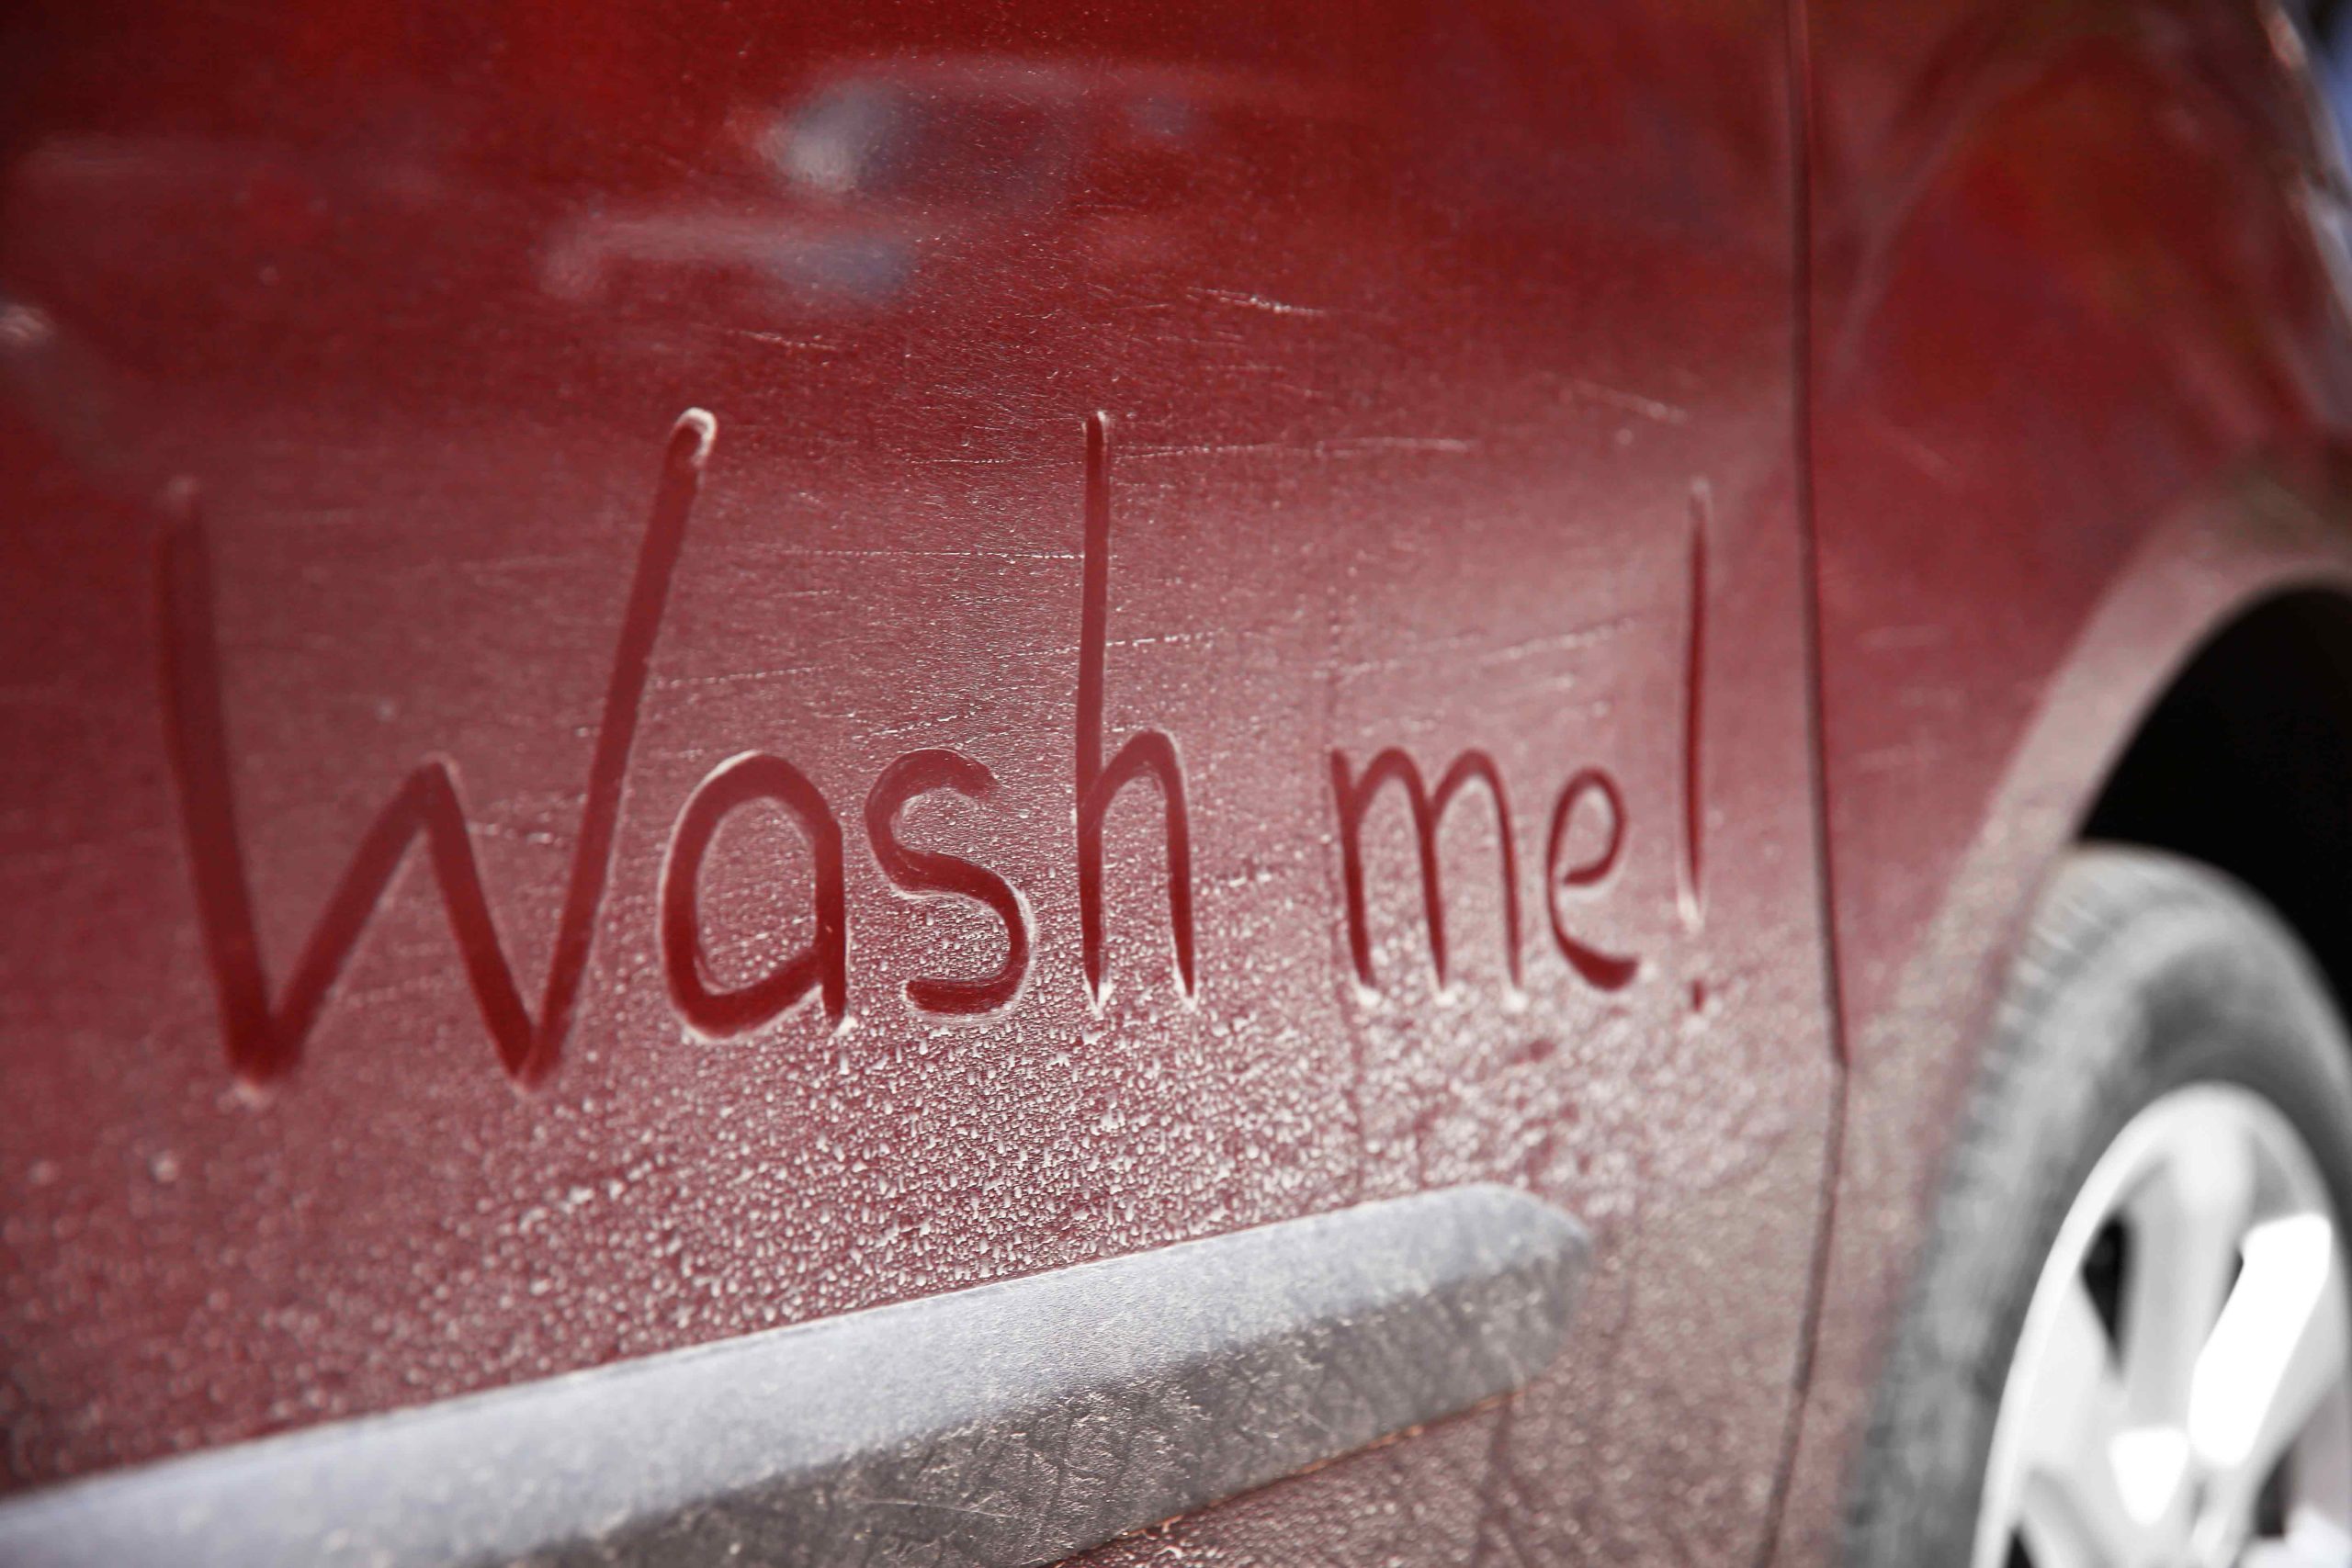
(2146, 984)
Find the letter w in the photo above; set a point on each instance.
(264, 1039)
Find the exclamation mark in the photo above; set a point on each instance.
(1690, 889)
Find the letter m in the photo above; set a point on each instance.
(1354, 797)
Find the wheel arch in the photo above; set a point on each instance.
(2244, 763)
(2244, 586)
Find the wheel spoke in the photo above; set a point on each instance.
(2069, 1504)
(2055, 1534)
(2187, 1221)
(2280, 1346)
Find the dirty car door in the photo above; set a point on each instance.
(672, 670)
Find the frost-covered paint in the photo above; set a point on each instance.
(671, 668)
(1018, 1421)
(1188, 435)
(2079, 384)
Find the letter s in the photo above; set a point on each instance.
(929, 873)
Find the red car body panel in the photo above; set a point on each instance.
(2078, 388)
(535, 532)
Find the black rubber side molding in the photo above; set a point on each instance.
(1012, 1424)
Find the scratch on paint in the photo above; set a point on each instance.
(1256, 302)
(1346, 447)
(1628, 402)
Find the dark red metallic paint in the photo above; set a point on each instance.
(1431, 338)
(2079, 380)
(963, 834)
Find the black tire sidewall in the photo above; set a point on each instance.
(2141, 974)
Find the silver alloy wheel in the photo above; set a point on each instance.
(2180, 1397)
